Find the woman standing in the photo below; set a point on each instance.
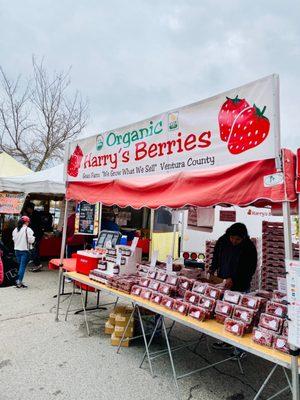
(23, 240)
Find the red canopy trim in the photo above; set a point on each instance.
(241, 185)
(298, 172)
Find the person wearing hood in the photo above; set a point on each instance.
(235, 260)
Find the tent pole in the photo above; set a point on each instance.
(182, 233)
(289, 255)
(174, 240)
(151, 233)
(62, 252)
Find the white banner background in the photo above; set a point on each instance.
(210, 133)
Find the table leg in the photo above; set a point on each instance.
(70, 301)
(84, 312)
(60, 277)
(151, 339)
(278, 393)
(145, 339)
(287, 378)
(265, 382)
(171, 358)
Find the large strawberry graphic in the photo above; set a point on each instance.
(249, 130)
(228, 112)
(75, 161)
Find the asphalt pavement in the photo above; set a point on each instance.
(41, 359)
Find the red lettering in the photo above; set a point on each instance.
(204, 139)
(170, 143)
(152, 152)
(125, 156)
(161, 147)
(179, 141)
(140, 151)
(190, 142)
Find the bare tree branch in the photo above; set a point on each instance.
(37, 119)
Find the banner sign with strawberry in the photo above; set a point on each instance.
(235, 127)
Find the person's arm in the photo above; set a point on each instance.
(14, 234)
(216, 257)
(251, 261)
(248, 266)
(30, 236)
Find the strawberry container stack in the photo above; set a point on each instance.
(238, 312)
(273, 255)
(209, 251)
(256, 279)
(272, 330)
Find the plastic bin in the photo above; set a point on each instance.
(85, 264)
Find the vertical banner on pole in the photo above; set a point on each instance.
(293, 294)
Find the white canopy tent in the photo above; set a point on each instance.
(48, 181)
(9, 167)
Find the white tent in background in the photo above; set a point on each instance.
(48, 181)
(10, 167)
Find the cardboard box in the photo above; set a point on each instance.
(109, 329)
(115, 341)
(119, 331)
(117, 310)
(121, 320)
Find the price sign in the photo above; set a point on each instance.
(154, 259)
(293, 295)
(169, 263)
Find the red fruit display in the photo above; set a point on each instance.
(75, 161)
(234, 326)
(249, 130)
(228, 113)
(156, 298)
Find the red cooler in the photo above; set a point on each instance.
(85, 263)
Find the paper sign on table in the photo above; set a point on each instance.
(154, 259)
(169, 263)
(134, 244)
(119, 257)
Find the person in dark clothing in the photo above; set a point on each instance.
(74, 241)
(235, 258)
(37, 226)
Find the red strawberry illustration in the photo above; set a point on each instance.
(249, 130)
(228, 112)
(75, 161)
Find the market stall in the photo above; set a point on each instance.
(219, 151)
(47, 189)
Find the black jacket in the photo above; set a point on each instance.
(236, 262)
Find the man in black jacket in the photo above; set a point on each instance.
(234, 259)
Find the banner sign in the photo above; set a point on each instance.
(87, 219)
(227, 216)
(11, 203)
(234, 127)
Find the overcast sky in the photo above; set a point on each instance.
(136, 58)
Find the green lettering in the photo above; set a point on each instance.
(142, 132)
(160, 123)
(111, 139)
(126, 139)
(135, 136)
